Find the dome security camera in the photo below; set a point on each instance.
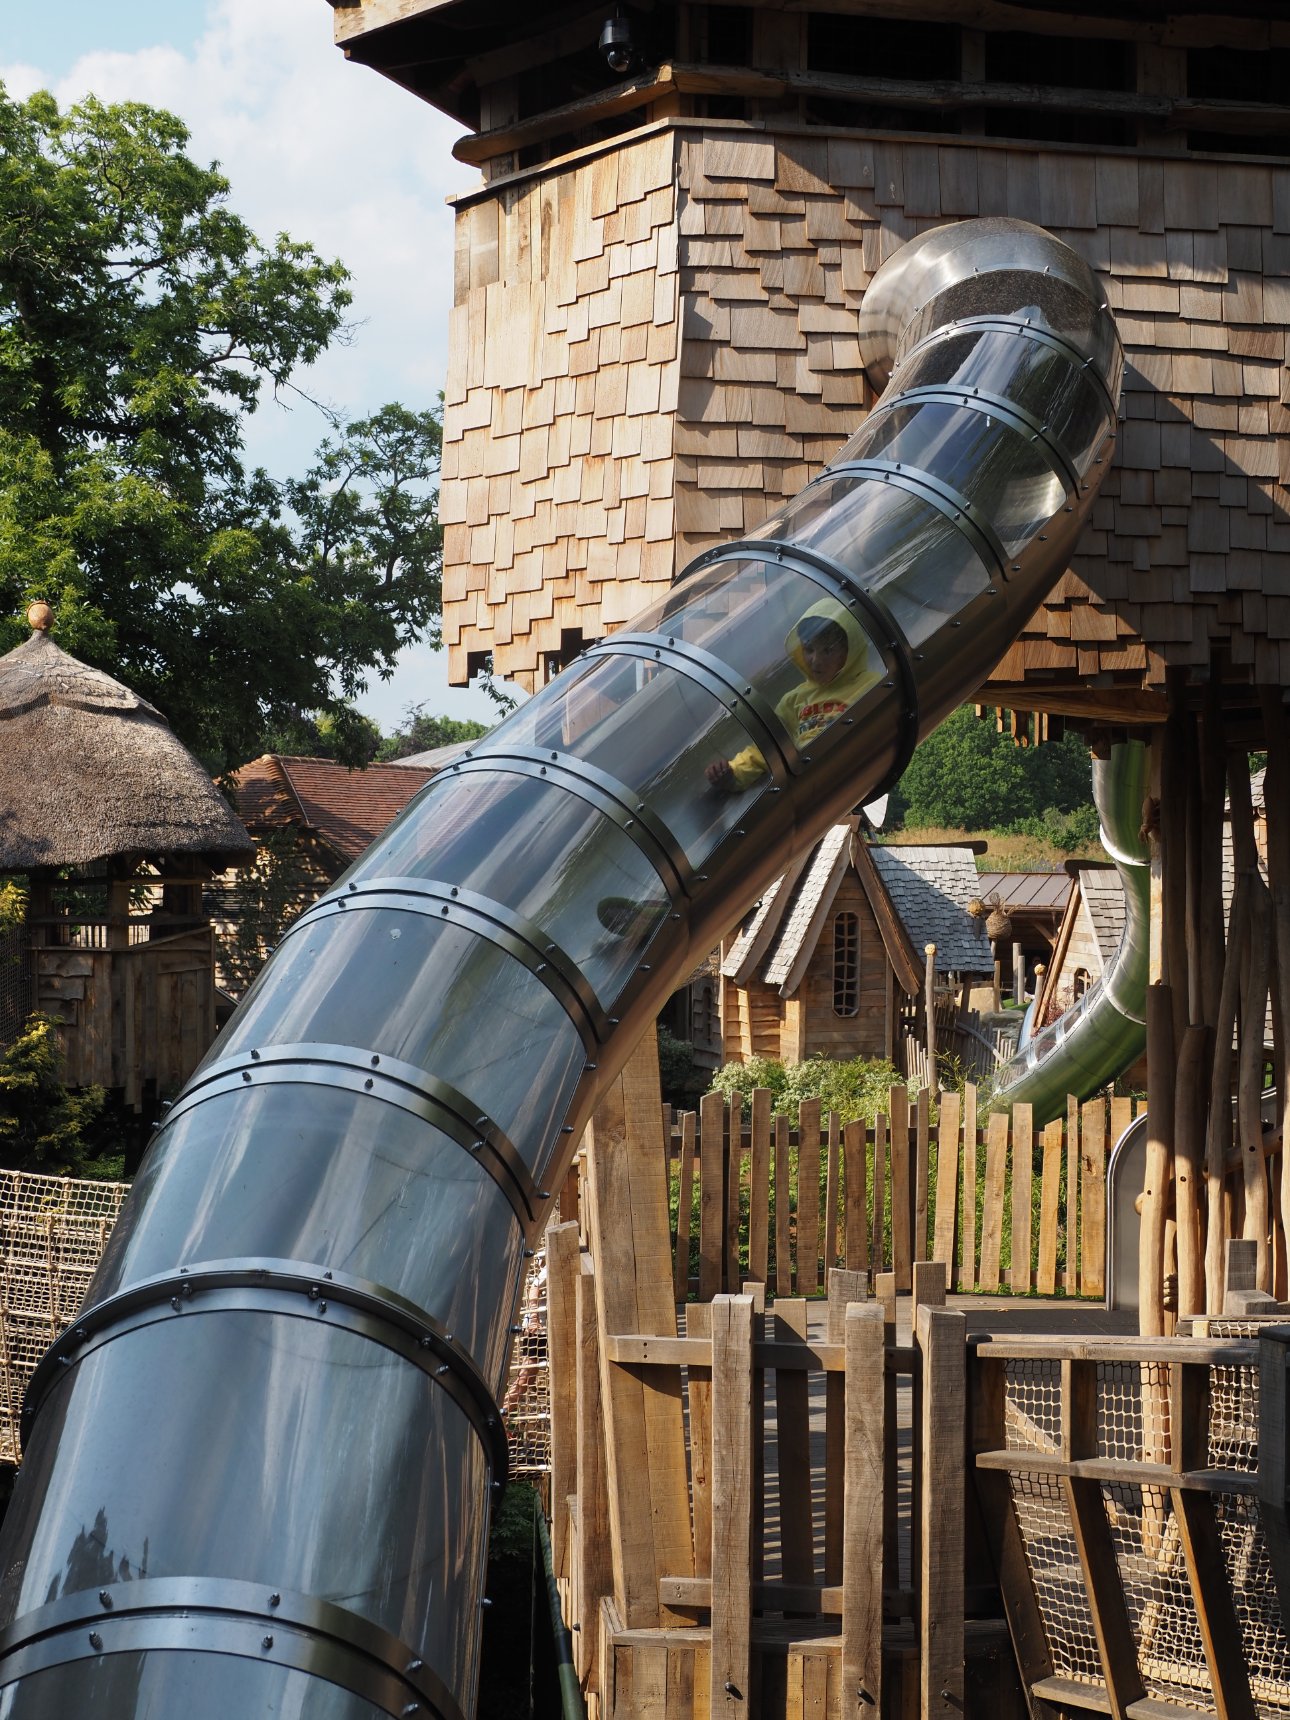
(616, 44)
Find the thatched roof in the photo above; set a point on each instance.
(88, 771)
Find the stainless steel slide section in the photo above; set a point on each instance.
(258, 1467)
(1106, 1030)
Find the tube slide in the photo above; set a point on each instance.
(1106, 1030)
(258, 1467)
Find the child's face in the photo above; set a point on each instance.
(825, 659)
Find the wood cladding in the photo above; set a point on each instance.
(655, 345)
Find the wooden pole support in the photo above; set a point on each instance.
(730, 1690)
(942, 1339)
(863, 1513)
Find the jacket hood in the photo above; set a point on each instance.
(829, 609)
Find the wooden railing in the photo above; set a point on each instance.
(1134, 1495)
(1004, 1207)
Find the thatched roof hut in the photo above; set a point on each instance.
(89, 771)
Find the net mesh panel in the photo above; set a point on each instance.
(526, 1405)
(1032, 1422)
(1133, 1411)
(53, 1231)
(1148, 1550)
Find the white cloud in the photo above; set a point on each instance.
(328, 151)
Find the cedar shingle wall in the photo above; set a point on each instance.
(589, 470)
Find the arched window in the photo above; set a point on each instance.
(1082, 982)
(846, 963)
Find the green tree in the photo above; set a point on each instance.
(964, 776)
(43, 1126)
(344, 734)
(421, 732)
(140, 321)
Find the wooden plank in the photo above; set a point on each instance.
(1092, 1266)
(1274, 1460)
(595, 1573)
(1220, 1629)
(832, 1194)
(783, 1209)
(1159, 1160)
(684, 1203)
(863, 1560)
(921, 1167)
(759, 1188)
(562, 1274)
(967, 1269)
(947, 1181)
(996, 1172)
(698, 1381)
(1049, 1221)
(732, 1503)
(877, 1212)
(844, 1289)
(807, 1279)
(630, 1239)
(1023, 1148)
(854, 1166)
(793, 1434)
(1070, 1272)
(901, 1187)
(712, 1189)
(942, 1340)
(734, 1185)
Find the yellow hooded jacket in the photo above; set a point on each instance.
(807, 709)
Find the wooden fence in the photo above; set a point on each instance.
(1005, 1207)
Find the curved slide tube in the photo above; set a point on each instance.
(258, 1466)
(1106, 1030)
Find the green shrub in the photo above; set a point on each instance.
(855, 1089)
(43, 1125)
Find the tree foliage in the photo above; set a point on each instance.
(967, 776)
(43, 1126)
(421, 732)
(140, 320)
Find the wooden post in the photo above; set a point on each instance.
(1189, 1151)
(1218, 1133)
(1254, 998)
(1160, 1132)
(595, 1576)
(996, 1168)
(922, 1148)
(562, 1273)
(807, 1278)
(901, 1187)
(759, 1188)
(1018, 975)
(967, 1273)
(685, 1202)
(1092, 1149)
(712, 1216)
(1274, 1459)
(929, 1005)
(730, 1690)
(942, 1339)
(864, 1513)
(645, 1436)
(947, 1182)
(1022, 1182)
(1276, 799)
(783, 1209)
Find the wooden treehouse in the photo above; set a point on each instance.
(654, 343)
(114, 829)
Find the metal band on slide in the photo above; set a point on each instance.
(755, 713)
(991, 405)
(380, 1077)
(618, 802)
(283, 1287)
(937, 494)
(216, 1615)
(453, 904)
(1023, 331)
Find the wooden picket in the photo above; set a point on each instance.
(782, 1201)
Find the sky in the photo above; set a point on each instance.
(312, 146)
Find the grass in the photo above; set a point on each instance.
(1006, 853)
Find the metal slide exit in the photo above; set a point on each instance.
(258, 1467)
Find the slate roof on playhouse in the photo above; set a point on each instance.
(919, 895)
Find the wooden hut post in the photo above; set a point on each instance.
(929, 999)
(1160, 1134)
(1276, 797)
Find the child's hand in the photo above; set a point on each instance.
(720, 775)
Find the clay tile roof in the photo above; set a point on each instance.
(347, 809)
(930, 889)
(90, 771)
